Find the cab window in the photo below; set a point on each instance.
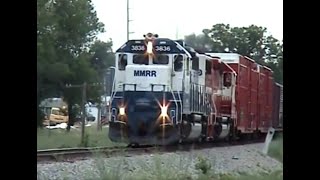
(140, 59)
(122, 62)
(195, 63)
(178, 63)
(227, 79)
(55, 112)
(208, 67)
(161, 59)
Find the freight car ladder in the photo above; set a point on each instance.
(211, 110)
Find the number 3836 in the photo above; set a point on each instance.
(137, 48)
(162, 48)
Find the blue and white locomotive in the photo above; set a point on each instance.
(158, 94)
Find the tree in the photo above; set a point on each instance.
(200, 42)
(250, 41)
(65, 31)
(102, 56)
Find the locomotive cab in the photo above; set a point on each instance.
(146, 101)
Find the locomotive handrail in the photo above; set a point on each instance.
(181, 105)
(130, 84)
(163, 85)
(176, 103)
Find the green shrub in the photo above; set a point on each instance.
(276, 149)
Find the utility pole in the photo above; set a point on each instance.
(83, 103)
(128, 21)
(83, 107)
(99, 127)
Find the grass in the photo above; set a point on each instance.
(59, 138)
(174, 169)
(276, 148)
(276, 175)
(157, 169)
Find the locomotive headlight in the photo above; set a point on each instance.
(121, 111)
(149, 47)
(164, 111)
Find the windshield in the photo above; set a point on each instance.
(144, 59)
(140, 59)
(161, 59)
(56, 112)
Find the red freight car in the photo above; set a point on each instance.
(253, 93)
(265, 98)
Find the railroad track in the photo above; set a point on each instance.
(74, 154)
(71, 154)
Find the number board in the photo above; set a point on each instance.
(159, 46)
(162, 48)
(138, 48)
(156, 48)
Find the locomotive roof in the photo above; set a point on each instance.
(226, 56)
(174, 48)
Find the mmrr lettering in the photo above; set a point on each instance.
(145, 73)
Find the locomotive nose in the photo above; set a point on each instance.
(165, 131)
(143, 129)
(141, 126)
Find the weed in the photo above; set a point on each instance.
(203, 165)
(276, 149)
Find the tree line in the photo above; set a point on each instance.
(68, 51)
(251, 41)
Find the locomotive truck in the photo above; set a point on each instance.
(166, 92)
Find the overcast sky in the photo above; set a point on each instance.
(170, 18)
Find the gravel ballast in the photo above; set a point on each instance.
(224, 160)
